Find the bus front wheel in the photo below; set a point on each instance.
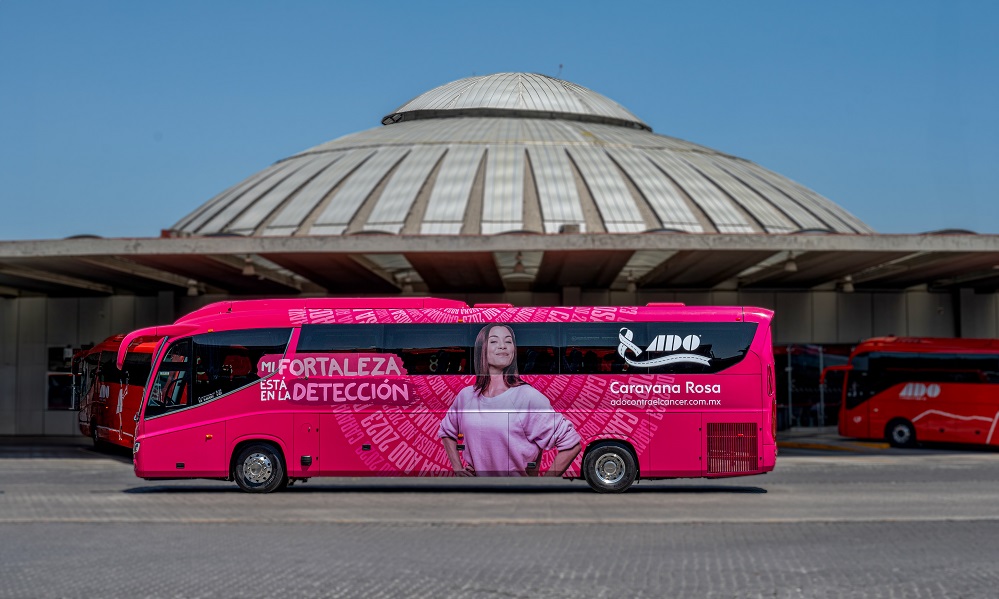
(259, 469)
(901, 433)
(610, 468)
(93, 434)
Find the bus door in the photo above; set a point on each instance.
(134, 376)
(854, 411)
(109, 406)
(857, 406)
(173, 438)
(84, 389)
(101, 413)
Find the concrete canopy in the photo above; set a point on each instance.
(449, 264)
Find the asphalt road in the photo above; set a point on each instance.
(884, 523)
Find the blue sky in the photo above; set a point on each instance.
(118, 118)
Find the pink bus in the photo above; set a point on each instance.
(270, 392)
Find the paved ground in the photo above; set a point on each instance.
(827, 439)
(869, 522)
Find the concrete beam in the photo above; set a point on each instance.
(136, 270)
(55, 279)
(259, 270)
(378, 244)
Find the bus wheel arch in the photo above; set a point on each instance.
(259, 466)
(900, 433)
(610, 465)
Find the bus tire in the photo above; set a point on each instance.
(610, 468)
(900, 433)
(259, 469)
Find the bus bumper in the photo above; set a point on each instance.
(769, 458)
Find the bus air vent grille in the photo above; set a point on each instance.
(732, 447)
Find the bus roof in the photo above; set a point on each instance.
(232, 315)
(113, 343)
(348, 303)
(285, 312)
(926, 345)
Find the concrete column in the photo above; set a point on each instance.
(166, 311)
(571, 296)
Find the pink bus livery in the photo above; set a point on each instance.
(270, 392)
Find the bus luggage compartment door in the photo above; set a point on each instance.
(677, 445)
(198, 451)
(304, 461)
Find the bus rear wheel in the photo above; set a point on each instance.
(259, 469)
(610, 468)
(901, 433)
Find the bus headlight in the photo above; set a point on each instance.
(135, 448)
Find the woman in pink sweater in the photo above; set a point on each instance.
(504, 423)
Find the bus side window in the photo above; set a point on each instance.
(108, 374)
(227, 360)
(170, 385)
(592, 347)
(175, 390)
(537, 344)
(135, 371)
(341, 338)
(431, 349)
(595, 347)
(89, 382)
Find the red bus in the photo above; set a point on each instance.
(107, 396)
(908, 390)
(269, 392)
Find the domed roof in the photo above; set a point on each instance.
(515, 94)
(514, 152)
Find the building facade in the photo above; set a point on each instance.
(513, 187)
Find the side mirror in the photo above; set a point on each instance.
(837, 368)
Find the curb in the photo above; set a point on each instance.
(830, 447)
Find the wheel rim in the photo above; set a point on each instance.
(610, 469)
(257, 468)
(901, 434)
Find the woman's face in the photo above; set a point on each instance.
(500, 350)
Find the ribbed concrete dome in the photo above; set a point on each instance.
(515, 94)
(514, 152)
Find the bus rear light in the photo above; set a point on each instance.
(773, 420)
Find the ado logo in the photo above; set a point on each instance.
(661, 343)
(919, 391)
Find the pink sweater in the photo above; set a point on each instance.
(504, 433)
